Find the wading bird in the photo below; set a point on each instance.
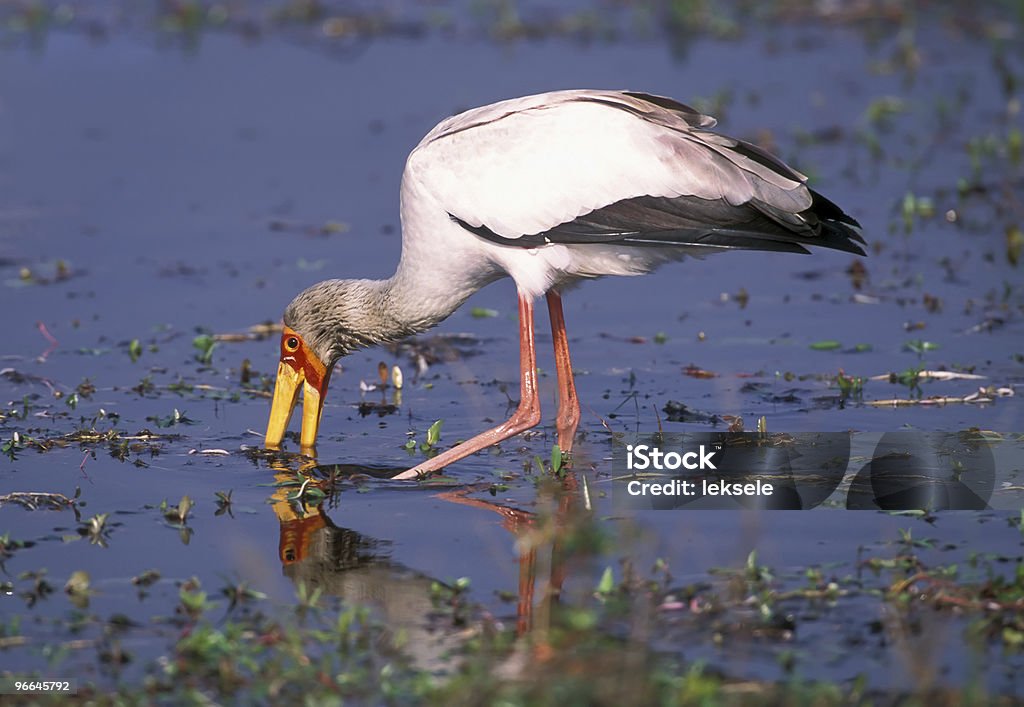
(548, 190)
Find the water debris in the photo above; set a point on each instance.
(27, 276)
(624, 339)
(34, 500)
(679, 412)
(323, 230)
(433, 437)
(858, 273)
(697, 372)
(177, 417)
(96, 529)
(987, 325)
(177, 515)
(861, 298)
(223, 501)
(425, 352)
(833, 345)
(245, 372)
(308, 492)
(997, 601)
(934, 375)
(915, 207)
(982, 395)
(849, 385)
(212, 452)
(17, 377)
(78, 588)
(882, 110)
(204, 345)
(741, 298)
(825, 345)
(1014, 244)
(920, 346)
(257, 332)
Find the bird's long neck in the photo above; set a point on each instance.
(434, 277)
(411, 301)
(422, 294)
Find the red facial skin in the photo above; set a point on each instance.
(300, 358)
(298, 367)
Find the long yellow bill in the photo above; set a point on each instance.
(298, 366)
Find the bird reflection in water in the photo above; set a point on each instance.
(357, 569)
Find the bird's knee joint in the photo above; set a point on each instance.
(526, 419)
(569, 418)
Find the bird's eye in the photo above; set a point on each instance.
(291, 343)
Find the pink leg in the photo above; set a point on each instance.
(527, 415)
(568, 404)
(527, 583)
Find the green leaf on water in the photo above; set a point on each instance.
(175, 418)
(312, 493)
(134, 350)
(556, 458)
(78, 583)
(826, 345)
(205, 344)
(184, 506)
(920, 346)
(483, 312)
(607, 583)
(434, 433)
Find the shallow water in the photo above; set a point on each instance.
(185, 189)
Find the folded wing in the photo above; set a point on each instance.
(581, 167)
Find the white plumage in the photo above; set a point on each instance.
(548, 189)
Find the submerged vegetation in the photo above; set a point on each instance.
(572, 643)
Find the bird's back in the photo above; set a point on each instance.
(618, 171)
